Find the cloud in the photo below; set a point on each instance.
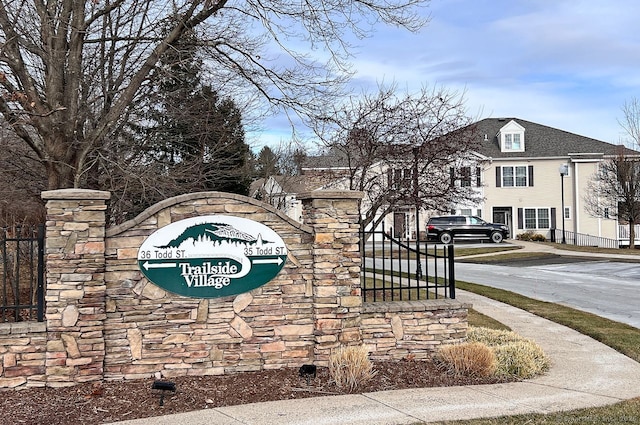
(569, 64)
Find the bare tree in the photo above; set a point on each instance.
(70, 70)
(402, 149)
(22, 178)
(630, 122)
(614, 190)
(278, 172)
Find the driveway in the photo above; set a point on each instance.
(607, 286)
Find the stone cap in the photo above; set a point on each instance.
(77, 194)
(331, 194)
(415, 305)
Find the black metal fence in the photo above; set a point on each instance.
(396, 270)
(581, 239)
(21, 273)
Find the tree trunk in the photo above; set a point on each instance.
(632, 234)
(59, 175)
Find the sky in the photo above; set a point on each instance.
(568, 64)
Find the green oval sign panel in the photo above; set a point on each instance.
(212, 256)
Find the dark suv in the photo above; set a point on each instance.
(445, 228)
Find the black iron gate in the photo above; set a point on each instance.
(22, 273)
(396, 270)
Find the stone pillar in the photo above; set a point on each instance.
(337, 300)
(75, 291)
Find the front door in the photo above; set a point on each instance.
(400, 228)
(503, 215)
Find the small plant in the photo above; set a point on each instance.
(515, 355)
(491, 337)
(530, 235)
(468, 359)
(523, 359)
(350, 366)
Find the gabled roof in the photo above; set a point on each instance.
(334, 158)
(289, 184)
(540, 141)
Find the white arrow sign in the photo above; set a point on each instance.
(277, 261)
(148, 266)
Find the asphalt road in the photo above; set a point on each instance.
(609, 289)
(605, 287)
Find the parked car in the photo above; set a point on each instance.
(445, 229)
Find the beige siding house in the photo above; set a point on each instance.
(516, 172)
(535, 178)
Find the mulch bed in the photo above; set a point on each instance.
(111, 401)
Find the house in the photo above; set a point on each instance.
(529, 176)
(280, 191)
(534, 178)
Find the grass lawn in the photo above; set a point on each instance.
(627, 412)
(593, 249)
(459, 251)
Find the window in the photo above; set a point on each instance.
(475, 220)
(530, 221)
(511, 137)
(521, 176)
(465, 178)
(516, 176)
(543, 218)
(516, 142)
(468, 176)
(512, 142)
(567, 213)
(399, 178)
(606, 212)
(507, 176)
(537, 218)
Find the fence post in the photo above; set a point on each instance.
(76, 291)
(337, 300)
(40, 290)
(452, 272)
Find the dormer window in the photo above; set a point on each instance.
(512, 142)
(511, 137)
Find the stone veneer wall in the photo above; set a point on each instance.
(399, 330)
(23, 348)
(152, 332)
(104, 320)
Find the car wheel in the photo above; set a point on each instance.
(445, 238)
(496, 237)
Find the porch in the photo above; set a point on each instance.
(623, 235)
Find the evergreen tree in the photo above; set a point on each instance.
(267, 163)
(188, 138)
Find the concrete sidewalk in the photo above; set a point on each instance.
(584, 373)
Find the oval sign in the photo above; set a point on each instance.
(212, 256)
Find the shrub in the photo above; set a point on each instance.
(350, 366)
(522, 359)
(491, 337)
(526, 236)
(516, 356)
(468, 359)
(530, 235)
